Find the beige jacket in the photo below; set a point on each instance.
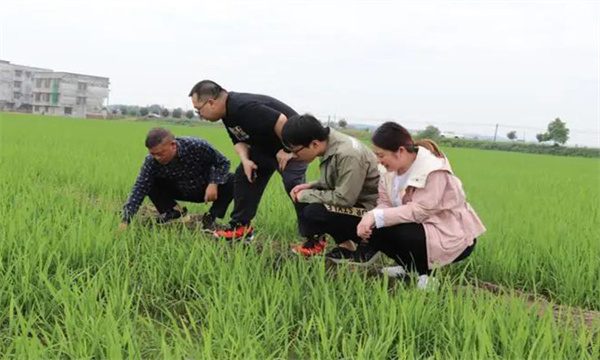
(349, 175)
(434, 197)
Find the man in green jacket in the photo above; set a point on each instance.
(346, 189)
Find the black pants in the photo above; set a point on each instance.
(247, 195)
(165, 192)
(406, 244)
(315, 220)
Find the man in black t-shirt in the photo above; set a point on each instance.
(254, 124)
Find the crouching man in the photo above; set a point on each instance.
(181, 168)
(335, 203)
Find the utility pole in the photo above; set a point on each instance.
(496, 132)
(328, 120)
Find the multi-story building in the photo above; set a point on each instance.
(62, 93)
(16, 86)
(54, 93)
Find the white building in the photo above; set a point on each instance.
(43, 91)
(16, 86)
(62, 93)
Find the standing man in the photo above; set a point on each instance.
(254, 123)
(182, 168)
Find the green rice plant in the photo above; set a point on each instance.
(73, 287)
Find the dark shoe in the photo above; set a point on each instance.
(312, 246)
(171, 215)
(340, 255)
(208, 223)
(365, 255)
(235, 232)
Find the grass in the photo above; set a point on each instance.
(72, 287)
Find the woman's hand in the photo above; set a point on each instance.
(365, 227)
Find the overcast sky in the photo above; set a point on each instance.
(462, 66)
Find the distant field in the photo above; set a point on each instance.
(71, 287)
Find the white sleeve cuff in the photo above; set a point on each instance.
(379, 220)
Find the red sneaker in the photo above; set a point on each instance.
(233, 232)
(311, 247)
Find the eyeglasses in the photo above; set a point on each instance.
(200, 107)
(295, 151)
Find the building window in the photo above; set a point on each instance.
(81, 86)
(27, 74)
(47, 108)
(80, 100)
(38, 97)
(38, 83)
(68, 111)
(47, 83)
(18, 84)
(37, 109)
(17, 95)
(18, 73)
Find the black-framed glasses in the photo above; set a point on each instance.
(201, 106)
(295, 152)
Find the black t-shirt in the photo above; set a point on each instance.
(251, 119)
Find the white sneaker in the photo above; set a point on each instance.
(394, 271)
(427, 283)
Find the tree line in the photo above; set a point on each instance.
(158, 110)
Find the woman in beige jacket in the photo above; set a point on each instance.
(422, 219)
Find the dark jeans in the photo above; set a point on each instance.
(164, 193)
(315, 220)
(406, 244)
(247, 195)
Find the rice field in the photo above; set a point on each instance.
(71, 286)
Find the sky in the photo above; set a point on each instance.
(463, 66)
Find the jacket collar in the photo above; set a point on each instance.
(182, 150)
(334, 141)
(424, 164)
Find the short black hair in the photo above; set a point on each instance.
(157, 135)
(301, 130)
(207, 89)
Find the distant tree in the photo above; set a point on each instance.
(133, 111)
(511, 135)
(542, 137)
(154, 108)
(557, 132)
(430, 132)
(189, 114)
(144, 111)
(123, 110)
(164, 112)
(342, 123)
(177, 113)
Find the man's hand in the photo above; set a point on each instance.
(249, 167)
(365, 227)
(297, 189)
(283, 158)
(122, 226)
(211, 193)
